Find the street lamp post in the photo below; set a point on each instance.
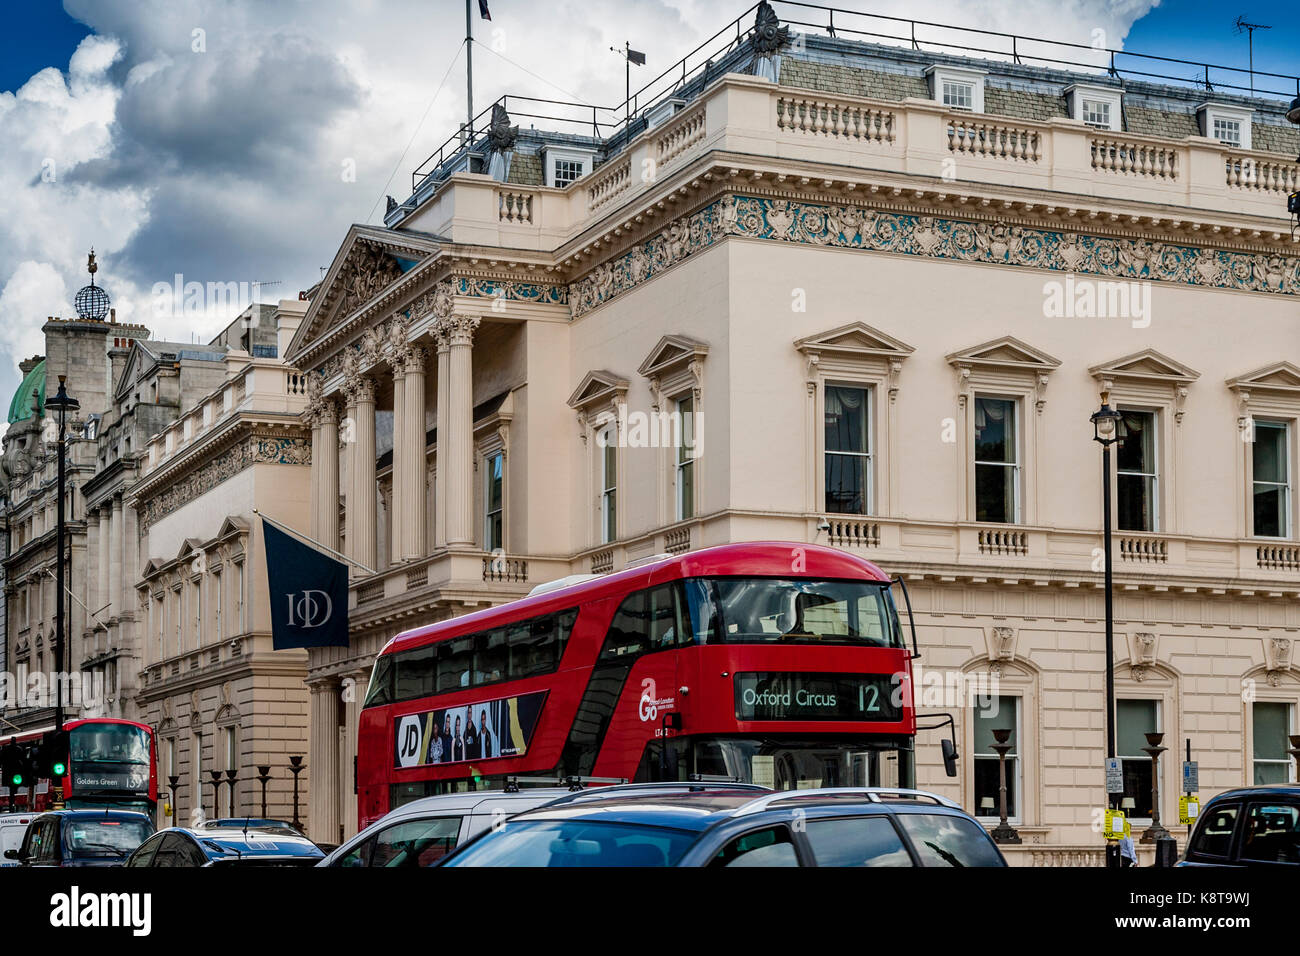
(264, 775)
(1108, 428)
(216, 793)
(173, 782)
(1153, 750)
(231, 774)
(1003, 832)
(295, 768)
(62, 403)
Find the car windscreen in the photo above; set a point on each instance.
(104, 838)
(949, 840)
(566, 843)
(801, 611)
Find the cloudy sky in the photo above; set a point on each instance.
(235, 141)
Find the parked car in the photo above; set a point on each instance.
(259, 823)
(1249, 826)
(224, 847)
(422, 832)
(724, 825)
(81, 838)
(12, 828)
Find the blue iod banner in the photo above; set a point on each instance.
(309, 593)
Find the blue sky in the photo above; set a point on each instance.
(247, 160)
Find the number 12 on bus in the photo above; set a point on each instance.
(772, 663)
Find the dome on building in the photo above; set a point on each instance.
(31, 389)
(92, 302)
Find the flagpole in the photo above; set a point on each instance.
(469, 75)
(627, 89)
(313, 542)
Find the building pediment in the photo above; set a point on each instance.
(598, 388)
(1008, 353)
(232, 525)
(1147, 365)
(671, 353)
(856, 339)
(1279, 377)
(368, 262)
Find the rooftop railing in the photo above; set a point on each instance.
(614, 125)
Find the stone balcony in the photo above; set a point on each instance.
(450, 579)
(1075, 171)
(266, 386)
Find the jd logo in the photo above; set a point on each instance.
(309, 608)
(408, 741)
(649, 705)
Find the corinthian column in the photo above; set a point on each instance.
(396, 544)
(115, 560)
(459, 441)
(443, 342)
(323, 785)
(325, 473)
(413, 496)
(362, 490)
(105, 559)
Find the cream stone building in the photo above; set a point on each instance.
(219, 697)
(882, 294)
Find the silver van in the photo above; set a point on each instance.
(422, 832)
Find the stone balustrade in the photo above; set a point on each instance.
(741, 115)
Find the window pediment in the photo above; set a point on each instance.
(1003, 362)
(1281, 377)
(598, 389)
(855, 347)
(1007, 353)
(1148, 375)
(1147, 365)
(671, 354)
(188, 549)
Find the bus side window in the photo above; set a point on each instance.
(491, 656)
(532, 647)
(629, 631)
(455, 658)
(666, 619)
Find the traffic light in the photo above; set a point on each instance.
(53, 761)
(16, 767)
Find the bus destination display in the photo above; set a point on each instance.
(784, 696)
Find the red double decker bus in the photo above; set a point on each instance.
(111, 763)
(771, 663)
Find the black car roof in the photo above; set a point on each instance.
(1259, 791)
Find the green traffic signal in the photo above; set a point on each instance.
(60, 770)
(16, 780)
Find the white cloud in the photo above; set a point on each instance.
(226, 164)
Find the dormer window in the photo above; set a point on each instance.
(565, 166)
(1230, 125)
(957, 88)
(958, 95)
(1098, 106)
(1227, 131)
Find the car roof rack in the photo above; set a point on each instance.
(869, 794)
(575, 783)
(670, 786)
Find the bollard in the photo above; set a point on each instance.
(1166, 851)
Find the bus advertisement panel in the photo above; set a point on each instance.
(482, 730)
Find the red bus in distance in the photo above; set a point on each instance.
(773, 663)
(111, 763)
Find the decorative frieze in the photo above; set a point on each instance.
(935, 237)
(253, 450)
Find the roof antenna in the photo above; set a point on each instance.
(1249, 29)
